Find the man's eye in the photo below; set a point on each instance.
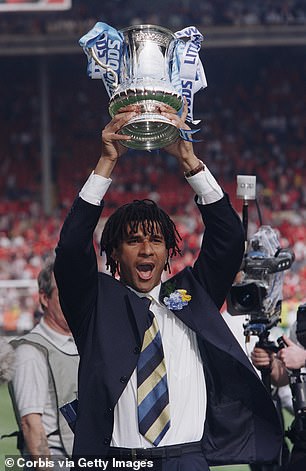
(157, 240)
(132, 240)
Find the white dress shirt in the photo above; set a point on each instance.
(186, 385)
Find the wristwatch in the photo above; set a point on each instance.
(195, 170)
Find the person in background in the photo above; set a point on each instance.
(7, 361)
(291, 357)
(45, 377)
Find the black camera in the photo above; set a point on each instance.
(258, 293)
(297, 378)
(297, 430)
(248, 296)
(301, 324)
(297, 382)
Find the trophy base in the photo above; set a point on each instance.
(149, 131)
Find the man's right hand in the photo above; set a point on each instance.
(112, 149)
(261, 358)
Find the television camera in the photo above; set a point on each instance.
(258, 292)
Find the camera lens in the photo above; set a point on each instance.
(247, 298)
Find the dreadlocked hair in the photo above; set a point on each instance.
(127, 218)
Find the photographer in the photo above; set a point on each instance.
(292, 357)
(257, 294)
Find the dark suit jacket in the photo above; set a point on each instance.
(108, 322)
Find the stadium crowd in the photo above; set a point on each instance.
(173, 13)
(253, 122)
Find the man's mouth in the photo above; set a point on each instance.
(145, 270)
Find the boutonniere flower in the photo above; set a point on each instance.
(177, 299)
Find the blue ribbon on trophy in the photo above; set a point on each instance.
(191, 70)
(109, 55)
(105, 43)
(186, 133)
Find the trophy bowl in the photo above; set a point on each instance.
(146, 63)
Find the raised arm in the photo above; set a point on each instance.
(222, 249)
(223, 241)
(75, 266)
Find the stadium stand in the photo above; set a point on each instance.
(173, 13)
(253, 122)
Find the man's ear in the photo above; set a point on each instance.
(44, 300)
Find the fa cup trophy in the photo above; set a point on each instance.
(146, 65)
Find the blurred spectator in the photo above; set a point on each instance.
(45, 378)
(7, 360)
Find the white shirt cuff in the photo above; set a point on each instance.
(206, 187)
(95, 188)
(203, 184)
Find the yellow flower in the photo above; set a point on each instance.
(184, 295)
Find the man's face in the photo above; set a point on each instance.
(141, 258)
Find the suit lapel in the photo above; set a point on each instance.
(202, 316)
(185, 314)
(139, 318)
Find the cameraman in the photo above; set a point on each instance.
(292, 357)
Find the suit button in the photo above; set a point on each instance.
(123, 379)
(107, 441)
(108, 411)
(137, 350)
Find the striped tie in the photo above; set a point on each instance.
(152, 387)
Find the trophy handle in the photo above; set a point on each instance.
(104, 66)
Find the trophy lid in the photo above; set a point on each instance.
(142, 33)
(147, 27)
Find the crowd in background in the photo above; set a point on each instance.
(173, 13)
(252, 122)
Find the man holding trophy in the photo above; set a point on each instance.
(163, 383)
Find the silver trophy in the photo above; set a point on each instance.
(146, 64)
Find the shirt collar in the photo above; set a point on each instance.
(153, 294)
(59, 340)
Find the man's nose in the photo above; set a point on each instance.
(146, 247)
